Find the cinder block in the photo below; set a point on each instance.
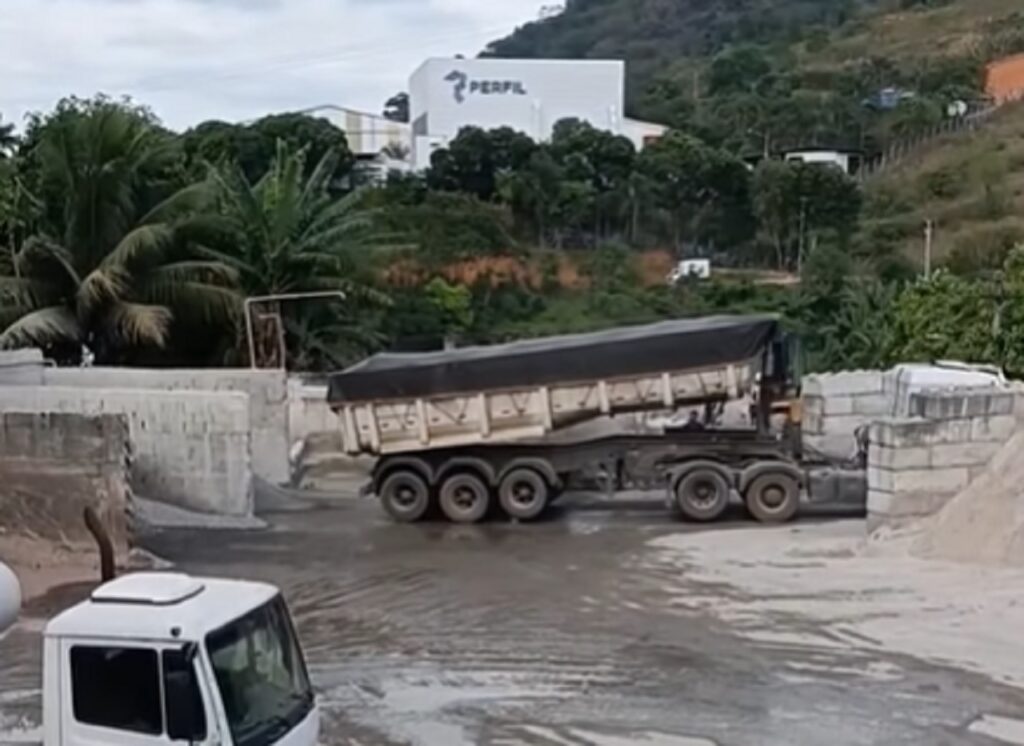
(915, 431)
(843, 424)
(997, 428)
(880, 479)
(836, 446)
(813, 423)
(872, 405)
(850, 383)
(837, 405)
(938, 405)
(909, 457)
(946, 480)
(1002, 403)
(964, 454)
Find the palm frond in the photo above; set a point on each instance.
(25, 293)
(101, 286)
(192, 270)
(185, 200)
(40, 251)
(42, 327)
(146, 242)
(204, 302)
(138, 324)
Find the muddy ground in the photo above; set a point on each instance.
(571, 632)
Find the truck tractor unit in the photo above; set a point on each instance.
(472, 431)
(154, 658)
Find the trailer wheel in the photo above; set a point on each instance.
(702, 495)
(465, 498)
(524, 494)
(405, 496)
(773, 497)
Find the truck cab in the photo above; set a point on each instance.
(157, 658)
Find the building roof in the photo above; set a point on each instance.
(151, 606)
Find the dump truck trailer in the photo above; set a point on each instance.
(471, 430)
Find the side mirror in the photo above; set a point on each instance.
(186, 717)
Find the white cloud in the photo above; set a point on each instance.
(192, 60)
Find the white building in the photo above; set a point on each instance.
(529, 96)
(379, 145)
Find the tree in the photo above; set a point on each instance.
(396, 109)
(690, 181)
(737, 69)
(475, 160)
(254, 146)
(110, 267)
(796, 203)
(286, 233)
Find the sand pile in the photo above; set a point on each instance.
(985, 522)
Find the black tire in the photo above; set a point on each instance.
(773, 497)
(702, 495)
(524, 494)
(464, 498)
(405, 496)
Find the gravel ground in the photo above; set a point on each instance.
(598, 627)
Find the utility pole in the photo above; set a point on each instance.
(929, 234)
(803, 233)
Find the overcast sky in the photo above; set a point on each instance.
(192, 60)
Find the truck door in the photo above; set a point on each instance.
(129, 694)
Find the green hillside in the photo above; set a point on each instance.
(768, 74)
(970, 184)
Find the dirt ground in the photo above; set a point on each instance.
(612, 624)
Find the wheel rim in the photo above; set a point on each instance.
(523, 494)
(773, 497)
(406, 496)
(465, 498)
(704, 494)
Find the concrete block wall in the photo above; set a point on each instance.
(190, 448)
(308, 413)
(21, 367)
(917, 464)
(267, 391)
(836, 405)
(54, 465)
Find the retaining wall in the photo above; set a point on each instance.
(919, 463)
(21, 367)
(267, 391)
(190, 448)
(54, 465)
(836, 405)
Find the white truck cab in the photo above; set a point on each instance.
(156, 658)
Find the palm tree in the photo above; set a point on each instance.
(111, 268)
(287, 234)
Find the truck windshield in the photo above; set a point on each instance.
(261, 675)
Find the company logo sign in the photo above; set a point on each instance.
(464, 86)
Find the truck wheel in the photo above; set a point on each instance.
(773, 498)
(702, 495)
(405, 496)
(524, 494)
(465, 498)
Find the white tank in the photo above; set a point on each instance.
(10, 598)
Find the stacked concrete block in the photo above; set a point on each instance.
(917, 464)
(267, 391)
(190, 448)
(52, 466)
(21, 367)
(837, 405)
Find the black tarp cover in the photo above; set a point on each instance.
(626, 351)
